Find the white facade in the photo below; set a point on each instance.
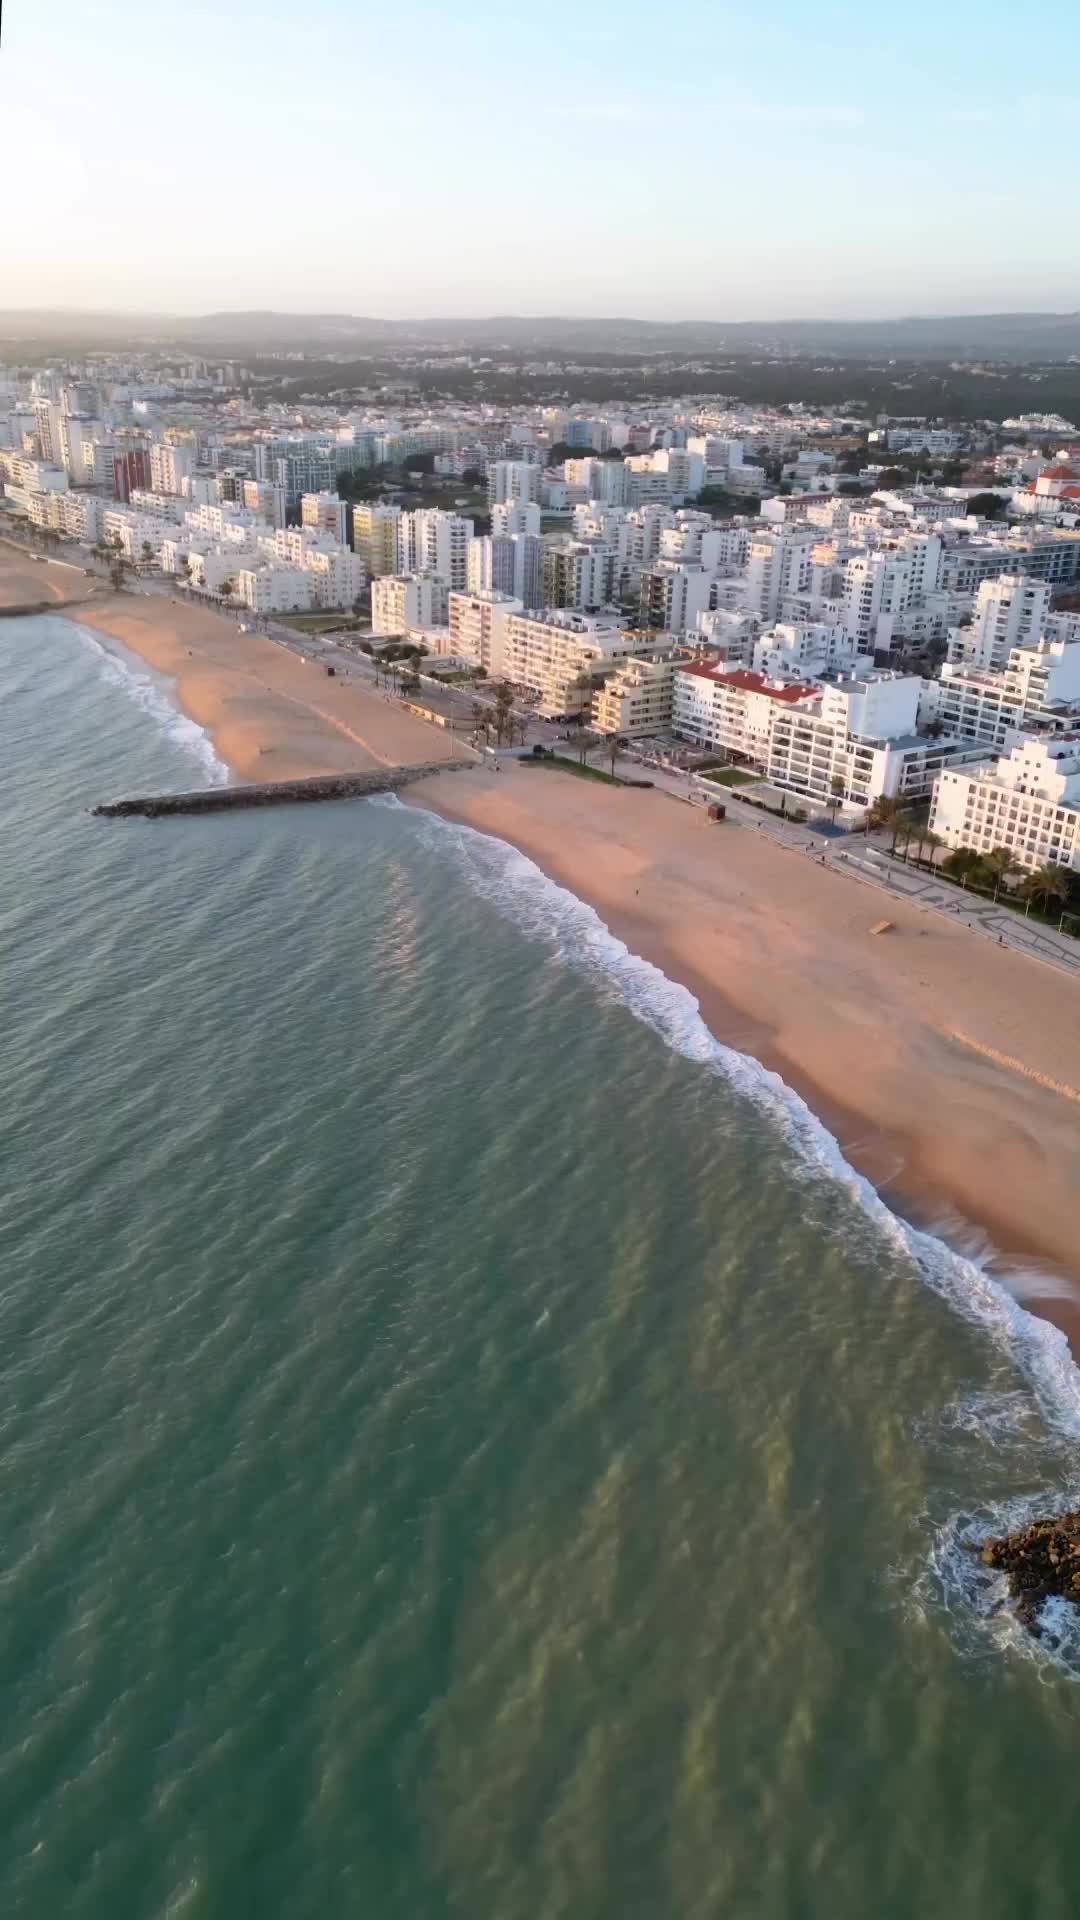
(514, 480)
(478, 626)
(431, 541)
(325, 511)
(276, 589)
(515, 516)
(803, 650)
(399, 601)
(1038, 691)
(558, 654)
(170, 466)
(778, 565)
(1028, 802)
(1009, 612)
(672, 596)
(637, 698)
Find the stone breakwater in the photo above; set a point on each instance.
(277, 793)
(1040, 1562)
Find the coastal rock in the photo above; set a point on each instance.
(1040, 1562)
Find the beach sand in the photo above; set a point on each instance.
(27, 583)
(270, 714)
(777, 949)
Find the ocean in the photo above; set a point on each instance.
(469, 1444)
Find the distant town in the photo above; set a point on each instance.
(865, 611)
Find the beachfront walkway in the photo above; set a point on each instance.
(858, 858)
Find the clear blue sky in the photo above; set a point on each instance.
(689, 161)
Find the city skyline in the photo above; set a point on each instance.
(708, 165)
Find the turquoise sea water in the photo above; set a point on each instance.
(468, 1447)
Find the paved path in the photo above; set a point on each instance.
(868, 860)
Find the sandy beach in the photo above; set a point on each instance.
(270, 715)
(777, 949)
(30, 584)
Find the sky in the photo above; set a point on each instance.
(699, 160)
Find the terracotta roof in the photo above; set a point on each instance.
(752, 683)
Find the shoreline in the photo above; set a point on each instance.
(775, 951)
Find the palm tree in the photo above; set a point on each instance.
(902, 822)
(480, 718)
(999, 865)
(614, 747)
(227, 589)
(927, 838)
(882, 812)
(584, 742)
(147, 554)
(1046, 883)
(504, 705)
(836, 795)
(962, 864)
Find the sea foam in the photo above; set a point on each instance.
(147, 692)
(518, 888)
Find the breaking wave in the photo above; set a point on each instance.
(519, 889)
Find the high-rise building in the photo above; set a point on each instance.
(327, 511)
(375, 536)
(170, 466)
(400, 601)
(779, 565)
(478, 623)
(431, 541)
(514, 480)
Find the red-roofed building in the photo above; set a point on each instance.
(731, 711)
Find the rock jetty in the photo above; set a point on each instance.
(277, 793)
(1040, 1562)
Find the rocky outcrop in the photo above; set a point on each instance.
(277, 793)
(1040, 1561)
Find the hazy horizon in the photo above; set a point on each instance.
(702, 165)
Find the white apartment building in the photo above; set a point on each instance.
(223, 522)
(851, 740)
(1028, 801)
(577, 573)
(939, 441)
(514, 480)
(636, 699)
(730, 712)
(803, 650)
(163, 506)
(266, 500)
(601, 480)
(270, 589)
(478, 626)
(399, 601)
(672, 596)
(1010, 611)
(79, 516)
(857, 743)
(326, 512)
(1037, 692)
(559, 654)
(515, 516)
(877, 587)
(778, 566)
(431, 541)
(170, 466)
(730, 633)
(337, 574)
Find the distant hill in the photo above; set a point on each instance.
(997, 336)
